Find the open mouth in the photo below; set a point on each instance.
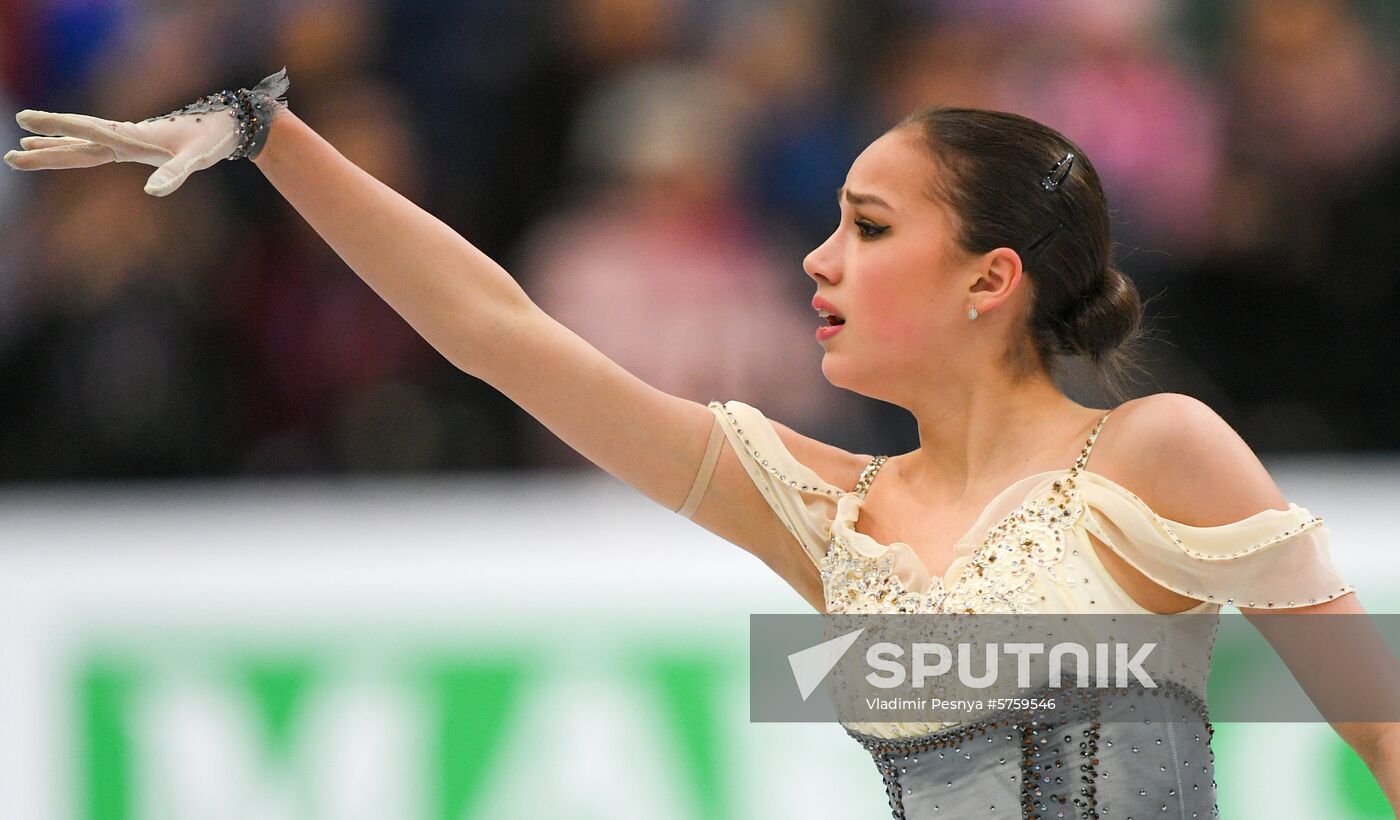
(827, 312)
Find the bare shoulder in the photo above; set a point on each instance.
(1182, 458)
(836, 466)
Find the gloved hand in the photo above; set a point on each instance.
(227, 125)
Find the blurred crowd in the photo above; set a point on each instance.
(653, 172)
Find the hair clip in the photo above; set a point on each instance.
(1052, 180)
(1037, 247)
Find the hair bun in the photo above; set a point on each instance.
(1105, 319)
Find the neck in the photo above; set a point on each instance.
(976, 434)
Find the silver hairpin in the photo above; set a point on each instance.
(1052, 180)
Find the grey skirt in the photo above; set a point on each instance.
(1132, 754)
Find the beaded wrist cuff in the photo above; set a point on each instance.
(254, 109)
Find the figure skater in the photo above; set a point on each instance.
(971, 258)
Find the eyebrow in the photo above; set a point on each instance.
(861, 199)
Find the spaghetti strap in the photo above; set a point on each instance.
(1082, 462)
(868, 475)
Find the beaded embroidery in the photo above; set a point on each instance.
(1030, 538)
(997, 577)
(748, 446)
(1312, 521)
(252, 109)
(859, 585)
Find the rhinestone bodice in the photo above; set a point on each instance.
(1031, 549)
(997, 577)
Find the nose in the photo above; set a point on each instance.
(822, 263)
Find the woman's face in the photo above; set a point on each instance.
(892, 270)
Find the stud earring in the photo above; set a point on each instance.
(972, 312)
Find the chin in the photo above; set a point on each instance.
(831, 368)
(842, 372)
(839, 373)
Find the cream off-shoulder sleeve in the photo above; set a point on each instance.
(1271, 559)
(799, 497)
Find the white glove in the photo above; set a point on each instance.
(227, 125)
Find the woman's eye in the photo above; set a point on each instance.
(868, 229)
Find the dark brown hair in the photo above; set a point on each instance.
(991, 165)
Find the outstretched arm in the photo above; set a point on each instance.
(475, 314)
(472, 312)
(462, 302)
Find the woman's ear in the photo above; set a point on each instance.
(998, 276)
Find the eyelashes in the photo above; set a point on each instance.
(865, 229)
(868, 229)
